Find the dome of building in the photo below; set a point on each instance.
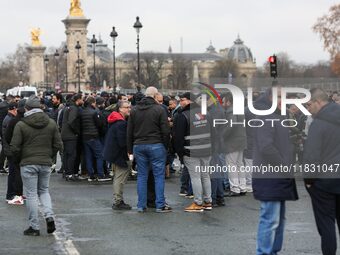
(239, 52)
(211, 49)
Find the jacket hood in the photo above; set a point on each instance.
(114, 116)
(146, 103)
(330, 113)
(37, 120)
(263, 103)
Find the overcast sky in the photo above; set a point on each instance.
(265, 26)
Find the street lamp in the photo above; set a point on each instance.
(66, 51)
(138, 26)
(46, 70)
(114, 34)
(56, 56)
(94, 41)
(78, 47)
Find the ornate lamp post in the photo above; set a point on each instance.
(138, 27)
(46, 60)
(78, 47)
(114, 34)
(66, 51)
(56, 57)
(93, 42)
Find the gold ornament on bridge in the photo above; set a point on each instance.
(35, 33)
(75, 10)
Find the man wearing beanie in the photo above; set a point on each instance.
(35, 141)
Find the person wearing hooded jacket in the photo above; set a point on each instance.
(115, 152)
(271, 147)
(36, 139)
(148, 138)
(322, 149)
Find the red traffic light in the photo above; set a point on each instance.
(271, 59)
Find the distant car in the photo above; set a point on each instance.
(23, 92)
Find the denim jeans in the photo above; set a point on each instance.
(271, 227)
(36, 180)
(200, 179)
(217, 178)
(154, 155)
(94, 149)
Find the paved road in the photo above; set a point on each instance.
(87, 225)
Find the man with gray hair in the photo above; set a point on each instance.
(322, 151)
(148, 137)
(36, 140)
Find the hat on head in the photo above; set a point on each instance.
(104, 94)
(100, 101)
(33, 102)
(12, 105)
(188, 95)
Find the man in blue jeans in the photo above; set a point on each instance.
(272, 147)
(91, 123)
(36, 140)
(148, 138)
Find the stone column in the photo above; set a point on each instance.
(76, 30)
(36, 65)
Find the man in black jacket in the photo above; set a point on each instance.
(70, 132)
(91, 123)
(148, 138)
(192, 135)
(271, 148)
(322, 151)
(12, 197)
(115, 152)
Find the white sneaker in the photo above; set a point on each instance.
(17, 200)
(249, 189)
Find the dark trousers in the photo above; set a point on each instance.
(186, 181)
(217, 190)
(14, 182)
(151, 193)
(2, 157)
(70, 156)
(326, 207)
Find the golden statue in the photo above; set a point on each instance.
(35, 33)
(75, 10)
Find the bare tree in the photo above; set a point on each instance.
(181, 73)
(328, 27)
(14, 68)
(151, 67)
(225, 67)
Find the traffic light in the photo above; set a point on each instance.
(273, 66)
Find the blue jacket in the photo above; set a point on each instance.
(115, 148)
(322, 146)
(271, 147)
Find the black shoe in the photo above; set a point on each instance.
(220, 203)
(166, 208)
(50, 225)
(104, 179)
(232, 194)
(72, 178)
(3, 172)
(31, 232)
(60, 171)
(243, 193)
(121, 206)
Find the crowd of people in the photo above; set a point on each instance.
(100, 136)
